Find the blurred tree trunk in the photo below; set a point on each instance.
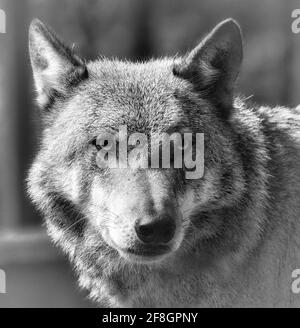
(9, 188)
(143, 46)
(289, 57)
(295, 60)
(23, 103)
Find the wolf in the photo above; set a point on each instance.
(149, 237)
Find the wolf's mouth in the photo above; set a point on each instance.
(145, 253)
(149, 250)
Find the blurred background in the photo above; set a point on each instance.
(38, 274)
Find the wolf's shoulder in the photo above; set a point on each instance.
(282, 118)
(282, 122)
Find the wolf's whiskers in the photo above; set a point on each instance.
(73, 224)
(107, 210)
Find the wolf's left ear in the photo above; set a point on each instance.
(214, 64)
(55, 66)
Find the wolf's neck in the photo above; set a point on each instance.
(247, 219)
(269, 171)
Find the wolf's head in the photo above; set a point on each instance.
(134, 214)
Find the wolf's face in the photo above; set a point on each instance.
(134, 214)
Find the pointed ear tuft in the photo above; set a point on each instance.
(213, 66)
(55, 66)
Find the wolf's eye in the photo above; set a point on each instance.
(94, 143)
(97, 145)
(103, 143)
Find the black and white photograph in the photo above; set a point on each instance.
(150, 156)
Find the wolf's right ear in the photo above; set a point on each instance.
(213, 66)
(55, 66)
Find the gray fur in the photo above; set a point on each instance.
(241, 229)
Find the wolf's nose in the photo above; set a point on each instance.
(156, 231)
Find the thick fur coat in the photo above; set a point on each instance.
(236, 240)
